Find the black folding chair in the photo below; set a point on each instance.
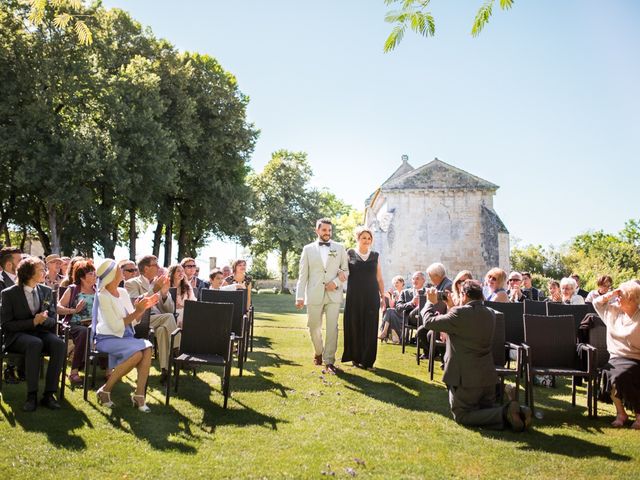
(501, 357)
(534, 307)
(550, 349)
(206, 340)
(513, 324)
(577, 311)
(407, 328)
(596, 336)
(240, 325)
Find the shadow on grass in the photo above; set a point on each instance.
(400, 390)
(59, 426)
(559, 444)
(198, 393)
(262, 380)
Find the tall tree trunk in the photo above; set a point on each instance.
(157, 238)
(37, 225)
(168, 241)
(284, 271)
(23, 240)
(7, 236)
(133, 234)
(182, 241)
(52, 218)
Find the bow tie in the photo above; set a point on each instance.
(324, 244)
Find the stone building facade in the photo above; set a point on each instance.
(436, 213)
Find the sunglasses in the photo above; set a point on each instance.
(515, 280)
(189, 266)
(130, 270)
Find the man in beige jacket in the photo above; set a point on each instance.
(163, 320)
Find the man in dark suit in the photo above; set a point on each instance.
(530, 292)
(579, 291)
(469, 371)
(28, 316)
(438, 277)
(191, 273)
(409, 300)
(9, 259)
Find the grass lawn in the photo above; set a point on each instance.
(287, 420)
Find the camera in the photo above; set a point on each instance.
(443, 296)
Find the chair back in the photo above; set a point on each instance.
(533, 307)
(142, 329)
(499, 352)
(235, 297)
(206, 328)
(513, 327)
(552, 340)
(597, 337)
(173, 291)
(577, 311)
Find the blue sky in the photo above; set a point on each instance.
(544, 103)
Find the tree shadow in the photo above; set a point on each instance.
(59, 426)
(261, 380)
(398, 389)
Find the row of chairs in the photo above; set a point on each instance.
(213, 328)
(544, 338)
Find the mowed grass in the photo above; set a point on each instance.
(288, 420)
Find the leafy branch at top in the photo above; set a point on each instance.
(414, 14)
(64, 16)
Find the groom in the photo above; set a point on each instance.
(321, 290)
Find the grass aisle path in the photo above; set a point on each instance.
(288, 420)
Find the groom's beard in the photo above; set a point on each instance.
(325, 238)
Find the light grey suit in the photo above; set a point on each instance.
(162, 319)
(313, 277)
(469, 370)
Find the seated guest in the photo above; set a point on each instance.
(456, 293)
(129, 270)
(604, 285)
(239, 278)
(28, 317)
(64, 266)
(77, 305)
(9, 259)
(495, 280)
(184, 291)
(469, 371)
(147, 283)
(438, 277)
(391, 319)
(530, 292)
(409, 301)
(554, 292)
(113, 318)
(622, 379)
(53, 278)
(190, 271)
(226, 271)
(515, 292)
(68, 278)
(568, 288)
(579, 291)
(216, 280)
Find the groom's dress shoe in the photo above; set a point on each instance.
(331, 368)
(317, 360)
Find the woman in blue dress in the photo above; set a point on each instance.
(113, 318)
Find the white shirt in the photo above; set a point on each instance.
(324, 254)
(623, 333)
(112, 312)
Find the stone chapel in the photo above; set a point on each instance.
(436, 213)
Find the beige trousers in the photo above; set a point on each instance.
(314, 315)
(163, 325)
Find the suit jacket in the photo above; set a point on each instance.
(5, 281)
(532, 294)
(405, 301)
(16, 315)
(469, 357)
(314, 275)
(138, 286)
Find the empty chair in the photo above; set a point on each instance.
(513, 325)
(535, 308)
(550, 349)
(240, 325)
(206, 340)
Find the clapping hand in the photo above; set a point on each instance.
(161, 284)
(143, 303)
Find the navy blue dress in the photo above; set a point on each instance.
(361, 310)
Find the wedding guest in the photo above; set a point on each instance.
(515, 292)
(554, 292)
(438, 277)
(77, 305)
(68, 278)
(53, 278)
(239, 277)
(579, 291)
(28, 317)
(64, 272)
(215, 279)
(226, 271)
(495, 280)
(129, 270)
(191, 275)
(604, 284)
(530, 292)
(622, 379)
(456, 293)
(9, 259)
(568, 288)
(184, 290)
(113, 318)
(409, 301)
(391, 319)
